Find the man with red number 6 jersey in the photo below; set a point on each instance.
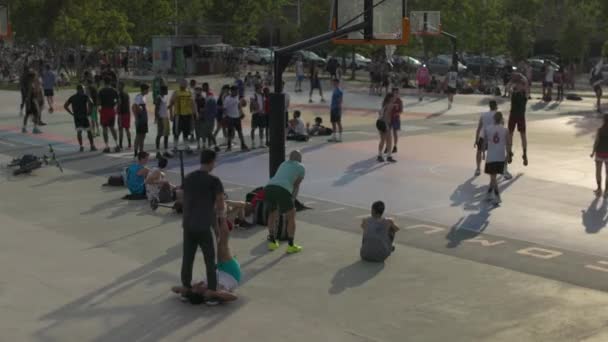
(498, 154)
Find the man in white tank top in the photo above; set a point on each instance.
(485, 120)
(498, 154)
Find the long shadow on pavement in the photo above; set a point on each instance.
(359, 169)
(354, 275)
(595, 217)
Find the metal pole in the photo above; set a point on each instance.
(299, 13)
(176, 26)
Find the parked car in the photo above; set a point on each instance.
(411, 64)
(441, 65)
(309, 57)
(360, 61)
(259, 55)
(538, 68)
(474, 65)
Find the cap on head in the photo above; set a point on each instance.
(295, 155)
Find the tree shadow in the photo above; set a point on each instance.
(354, 275)
(595, 217)
(358, 169)
(585, 125)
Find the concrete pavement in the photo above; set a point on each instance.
(81, 264)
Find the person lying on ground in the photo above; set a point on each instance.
(240, 213)
(158, 187)
(318, 129)
(228, 275)
(378, 235)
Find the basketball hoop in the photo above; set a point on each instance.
(425, 23)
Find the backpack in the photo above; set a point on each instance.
(116, 180)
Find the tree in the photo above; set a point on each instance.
(579, 26)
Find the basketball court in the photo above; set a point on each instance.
(94, 267)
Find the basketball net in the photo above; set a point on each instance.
(389, 50)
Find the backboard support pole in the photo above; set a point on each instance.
(368, 19)
(277, 123)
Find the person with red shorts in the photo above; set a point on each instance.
(124, 112)
(108, 99)
(517, 117)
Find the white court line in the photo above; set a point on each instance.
(309, 202)
(7, 143)
(233, 189)
(333, 210)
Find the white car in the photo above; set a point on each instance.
(258, 55)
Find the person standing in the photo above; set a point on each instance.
(210, 115)
(161, 117)
(396, 110)
(336, 111)
(203, 206)
(140, 111)
(182, 109)
(315, 82)
(600, 152)
(548, 81)
(258, 117)
(383, 126)
(423, 79)
(199, 120)
(485, 120)
(157, 82)
(517, 117)
(281, 192)
(78, 106)
(34, 101)
(596, 81)
(499, 154)
(24, 83)
(92, 93)
(233, 114)
(124, 114)
(108, 99)
(451, 82)
(299, 74)
(49, 80)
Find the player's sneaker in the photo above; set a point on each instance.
(36, 131)
(81, 149)
(507, 175)
(525, 158)
(391, 160)
(380, 159)
(477, 173)
(273, 246)
(293, 249)
(497, 200)
(24, 130)
(93, 148)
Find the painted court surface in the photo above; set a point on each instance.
(80, 264)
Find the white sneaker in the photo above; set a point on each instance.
(497, 200)
(507, 175)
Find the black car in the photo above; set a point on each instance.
(475, 63)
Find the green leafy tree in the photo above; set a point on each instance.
(580, 24)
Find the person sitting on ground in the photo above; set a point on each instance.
(158, 188)
(378, 235)
(297, 128)
(318, 129)
(136, 175)
(228, 275)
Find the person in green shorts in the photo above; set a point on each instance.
(281, 192)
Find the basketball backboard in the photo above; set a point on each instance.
(390, 25)
(425, 22)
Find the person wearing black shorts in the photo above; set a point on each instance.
(315, 82)
(258, 116)
(498, 155)
(336, 112)
(517, 117)
(140, 112)
(78, 105)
